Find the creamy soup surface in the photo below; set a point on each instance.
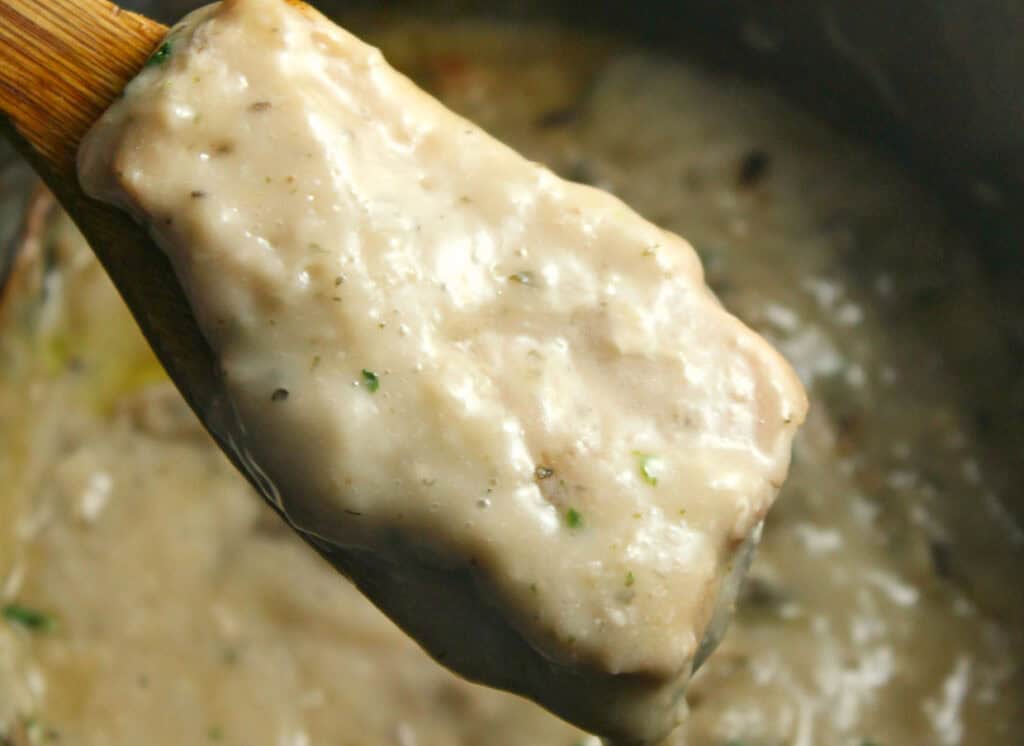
(149, 596)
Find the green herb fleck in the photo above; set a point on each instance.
(649, 467)
(533, 587)
(161, 55)
(32, 619)
(523, 278)
(34, 732)
(215, 733)
(371, 381)
(630, 579)
(573, 518)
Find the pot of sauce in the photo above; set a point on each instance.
(147, 595)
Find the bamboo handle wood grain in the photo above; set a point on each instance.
(62, 62)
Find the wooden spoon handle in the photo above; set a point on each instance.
(62, 62)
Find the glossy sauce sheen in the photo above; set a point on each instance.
(435, 343)
(877, 610)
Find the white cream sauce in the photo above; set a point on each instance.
(435, 343)
(877, 612)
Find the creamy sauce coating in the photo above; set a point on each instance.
(877, 611)
(436, 343)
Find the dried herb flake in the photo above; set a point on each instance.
(29, 618)
(649, 467)
(371, 381)
(161, 55)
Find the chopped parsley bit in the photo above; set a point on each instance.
(216, 733)
(630, 578)
(682, 511)
(31, 619)
(649, 467)
(161, 55)
(371, 381)
(279, 395)
(533, 587)
(543, 472)
(523, 278)
(34, 734)
(573, 518)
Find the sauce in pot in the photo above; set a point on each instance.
(182, 612)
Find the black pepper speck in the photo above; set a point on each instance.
(753, 168)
